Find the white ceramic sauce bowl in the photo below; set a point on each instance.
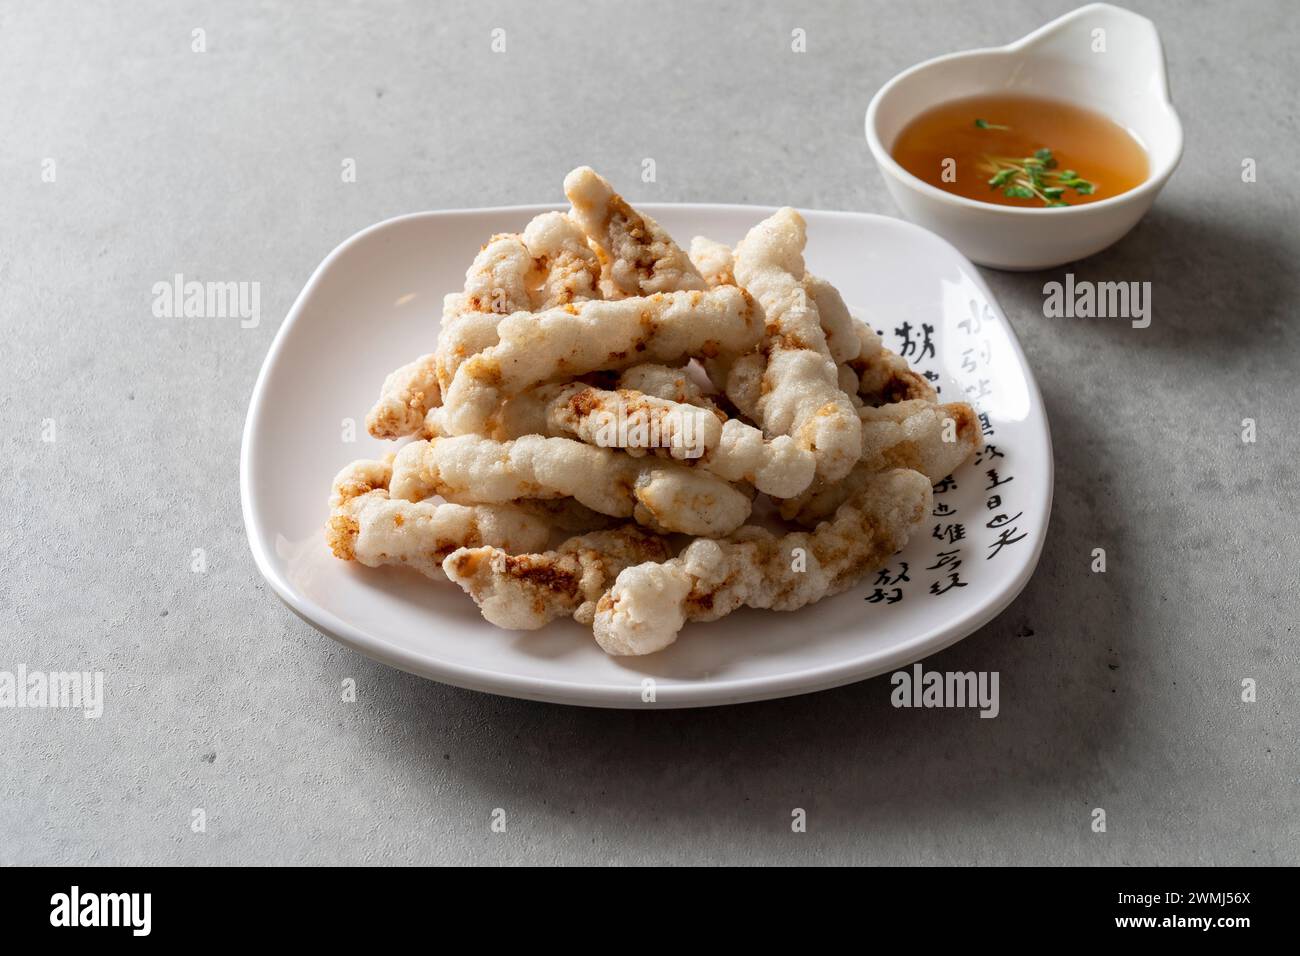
(1126, 82)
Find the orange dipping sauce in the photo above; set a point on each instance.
(960, 145)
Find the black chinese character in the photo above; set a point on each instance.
(954, 581)
(1000, 520)
(926, 345)
(952, 533)
(1005, 540)
(908, 346)
(945, 559)
(884, 578)
(994, 480)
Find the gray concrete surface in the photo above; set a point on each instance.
(1120, 691)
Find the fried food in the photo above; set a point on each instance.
(663, 381)
(369, 527)
(642, 258)
(882, 377)
(642, 424)
(571, 341)
(570, 268)
(565, 514)
(649, 603)
(527, 413)
(497, 281)
(931, 439)
(405, 399)
(634, 421)
(592, 383)
(661, 494)
(548, 265)
(798, 392)
(461, 338)
(523, 592)
(714, 261)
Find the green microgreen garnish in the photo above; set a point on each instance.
(1032, 177)
(985, 124)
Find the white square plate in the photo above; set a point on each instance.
(375, 302)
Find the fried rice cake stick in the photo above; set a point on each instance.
(726, 447)
(794, 389)
(369, 527)
(642, 424)
(932, 439)
(649, 603)
(548, 265)
(405, 399)
(462, 338)
(527, 591)
(879, 376)
(661, 494)
(497, 281)
(673, 384)
(642, 257)
(565, 514)
(714, 261)
(620, 418)
(591, 336)
(570, 269)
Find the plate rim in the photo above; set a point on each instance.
(708, 693)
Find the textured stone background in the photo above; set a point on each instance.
(1118, 690)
